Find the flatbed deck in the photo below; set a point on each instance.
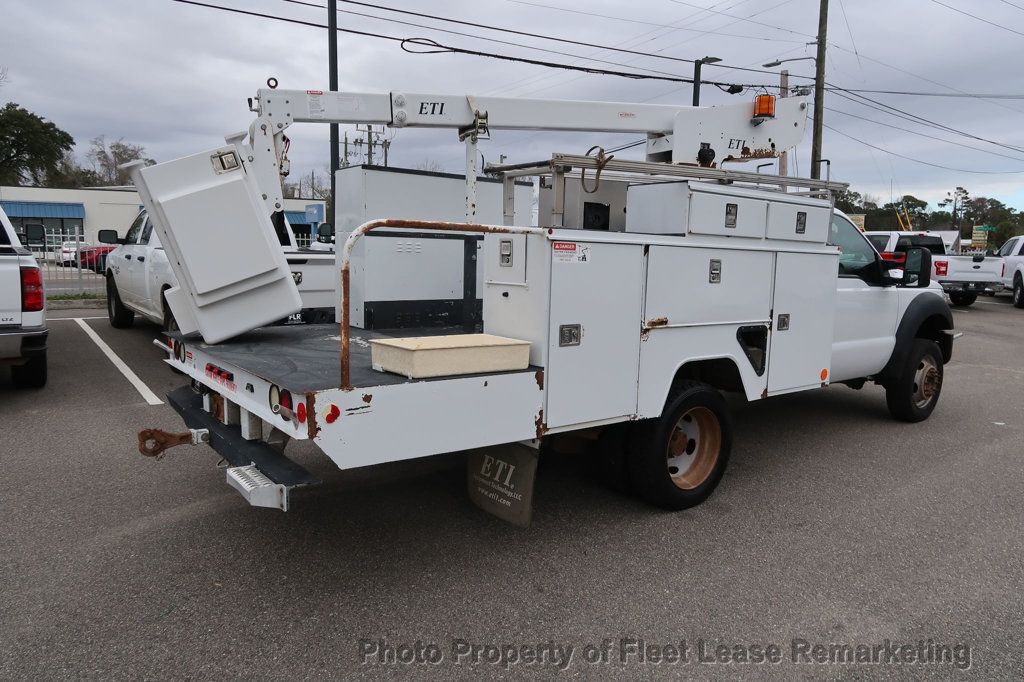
(305, 358)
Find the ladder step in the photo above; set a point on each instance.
(256, 488)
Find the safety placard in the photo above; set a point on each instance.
(570, 252)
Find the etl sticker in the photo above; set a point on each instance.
(570, 252)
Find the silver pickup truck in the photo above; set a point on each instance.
(22, 311)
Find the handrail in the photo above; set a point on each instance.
(400, 224)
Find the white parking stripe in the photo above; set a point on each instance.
(49, 319)
(132, 378)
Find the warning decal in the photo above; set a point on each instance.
(315, 98)
(570, 252)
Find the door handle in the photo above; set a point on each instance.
(128, 256)
(141, 258)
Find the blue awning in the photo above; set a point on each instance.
(296, 217)
(42, 209)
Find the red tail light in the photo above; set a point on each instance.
(941, 268)
(32, 300)
(897, 258)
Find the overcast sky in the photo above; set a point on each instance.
(175, 77)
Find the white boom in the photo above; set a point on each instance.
(675, 133)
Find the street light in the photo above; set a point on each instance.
(780, 62)
(696, 77)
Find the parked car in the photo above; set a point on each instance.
(962, 277)
(95, 257)
(1012, 253)
(23, 330)
(68, 254)
(139, 277)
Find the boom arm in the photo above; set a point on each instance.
(674, 132)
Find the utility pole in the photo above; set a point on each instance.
(332, 58)
(784, 92)
(819, 90)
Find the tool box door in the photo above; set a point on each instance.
(800, 351)
(594, 333)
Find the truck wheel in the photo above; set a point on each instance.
(1018, 293)
(32, 374)
(914, 394)
(170, 324)
(120, 317)
(962, 299)
(678, 459)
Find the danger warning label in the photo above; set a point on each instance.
(570, 252)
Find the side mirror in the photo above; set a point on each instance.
(35, 234)
(325, 233)
(917, 270)
(108, 237)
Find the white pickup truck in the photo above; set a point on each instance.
(1012, 253)
(23, 330)
(963, 277)
(139, 276)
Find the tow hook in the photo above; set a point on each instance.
(153, 442)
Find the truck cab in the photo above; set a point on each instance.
(1012, 253)
(23, 331)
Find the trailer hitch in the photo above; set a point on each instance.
(153, 442)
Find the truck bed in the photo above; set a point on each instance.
(305, 358)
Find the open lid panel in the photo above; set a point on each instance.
(221, 244)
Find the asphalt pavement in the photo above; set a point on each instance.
(834, 526)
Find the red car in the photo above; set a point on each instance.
(95, 257)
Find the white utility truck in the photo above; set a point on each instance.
(1012, 253)
(721, 281)
(23, 330)
(139, 276)
(962, 277)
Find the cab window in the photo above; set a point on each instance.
(856, 256)
(133, 232)
(1008, 248)
(879, 241)
(146, 231)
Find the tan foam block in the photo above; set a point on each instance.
(421, 357)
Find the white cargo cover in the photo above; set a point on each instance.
(220, 242)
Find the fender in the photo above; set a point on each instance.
(917, 315)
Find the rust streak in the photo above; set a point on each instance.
(540, 378)
(657, 322)
(542, 428)
(313, 429)
(367, 398)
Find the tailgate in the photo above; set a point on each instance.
(967, 269)
(10, 287)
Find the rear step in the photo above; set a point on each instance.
(260, 473)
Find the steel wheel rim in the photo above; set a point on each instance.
(927, 382)
(693, 447)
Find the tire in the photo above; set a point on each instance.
(1018, 293)
(962, 299)
(677, 460)
(32, 374)
(913, 395)
(119, 316)
(170, 324)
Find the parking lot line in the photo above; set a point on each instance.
(132, 378)
(100, 317)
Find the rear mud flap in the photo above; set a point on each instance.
(500, 481)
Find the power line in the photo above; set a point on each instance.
(910, 158)
(975, 16)
(433, 47)
(917, 132)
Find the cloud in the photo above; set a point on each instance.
(175, 77)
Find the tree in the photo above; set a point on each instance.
(107, 158)
(30, 146)
(70, 174)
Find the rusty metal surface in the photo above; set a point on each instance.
(153, 442)
(400, 224)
